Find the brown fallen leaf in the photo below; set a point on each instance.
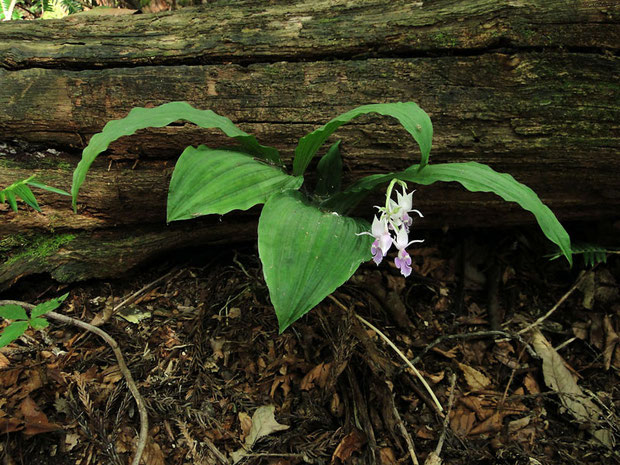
(493, 424)
(263, 423)
(10, 425)
(559, 378)
(516, 425)
(580, 330)
(424, 432)
(245, 422)
(475, 405)
(531, 384)
(318, 375)
(387, 456)
(462, 421)
(352, 442)
(9, 378)
(153, 455)
(476, 380)
(36, 422)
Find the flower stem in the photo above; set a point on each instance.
(388, 194)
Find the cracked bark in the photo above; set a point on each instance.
(529, 87)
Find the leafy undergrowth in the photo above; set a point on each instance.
(203, 346)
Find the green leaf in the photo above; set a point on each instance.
(39, 323)
(12, 332)
(344, 202)
(329, 170)
(410, 115)
(21, 189)
(13, 312)
(476, 177)
(10, 198)
(47, 306)
(141, 118)
(207, 181)
(26, 194)
(39, 185)
(306, 253)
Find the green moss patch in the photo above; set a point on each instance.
(35, 247)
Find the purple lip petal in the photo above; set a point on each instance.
(403, 262)
(377, 254)
(407, 221)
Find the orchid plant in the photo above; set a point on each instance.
(307, 243)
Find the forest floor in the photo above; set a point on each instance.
(201, 340)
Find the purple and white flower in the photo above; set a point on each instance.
(404, 207)
(394, 219)
(383, 239)
(403, 259)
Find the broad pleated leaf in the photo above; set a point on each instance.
(306, 253)
(48, 306)
(12, 332)
(329, 170)
(13, 312)
(142, 118)
(475, 177)
(207, 181)
(410, 115)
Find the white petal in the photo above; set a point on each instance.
(385, 242)
(378, 227)
(405, 201)
(402, 239)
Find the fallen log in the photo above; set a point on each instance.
(531, 88)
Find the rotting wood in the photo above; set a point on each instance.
(531, 88)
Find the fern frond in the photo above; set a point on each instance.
(592, 254)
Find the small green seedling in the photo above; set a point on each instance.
(21, 321)
(21, 190)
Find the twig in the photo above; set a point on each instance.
(212, 447)
(477, 334)
(144, 420)
(510, 379)
(442, 438)
(398, 351)
(405, 433)
(558, 303)
(136, 294)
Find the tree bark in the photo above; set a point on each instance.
(529, 87)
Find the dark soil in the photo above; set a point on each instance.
(208, 354)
